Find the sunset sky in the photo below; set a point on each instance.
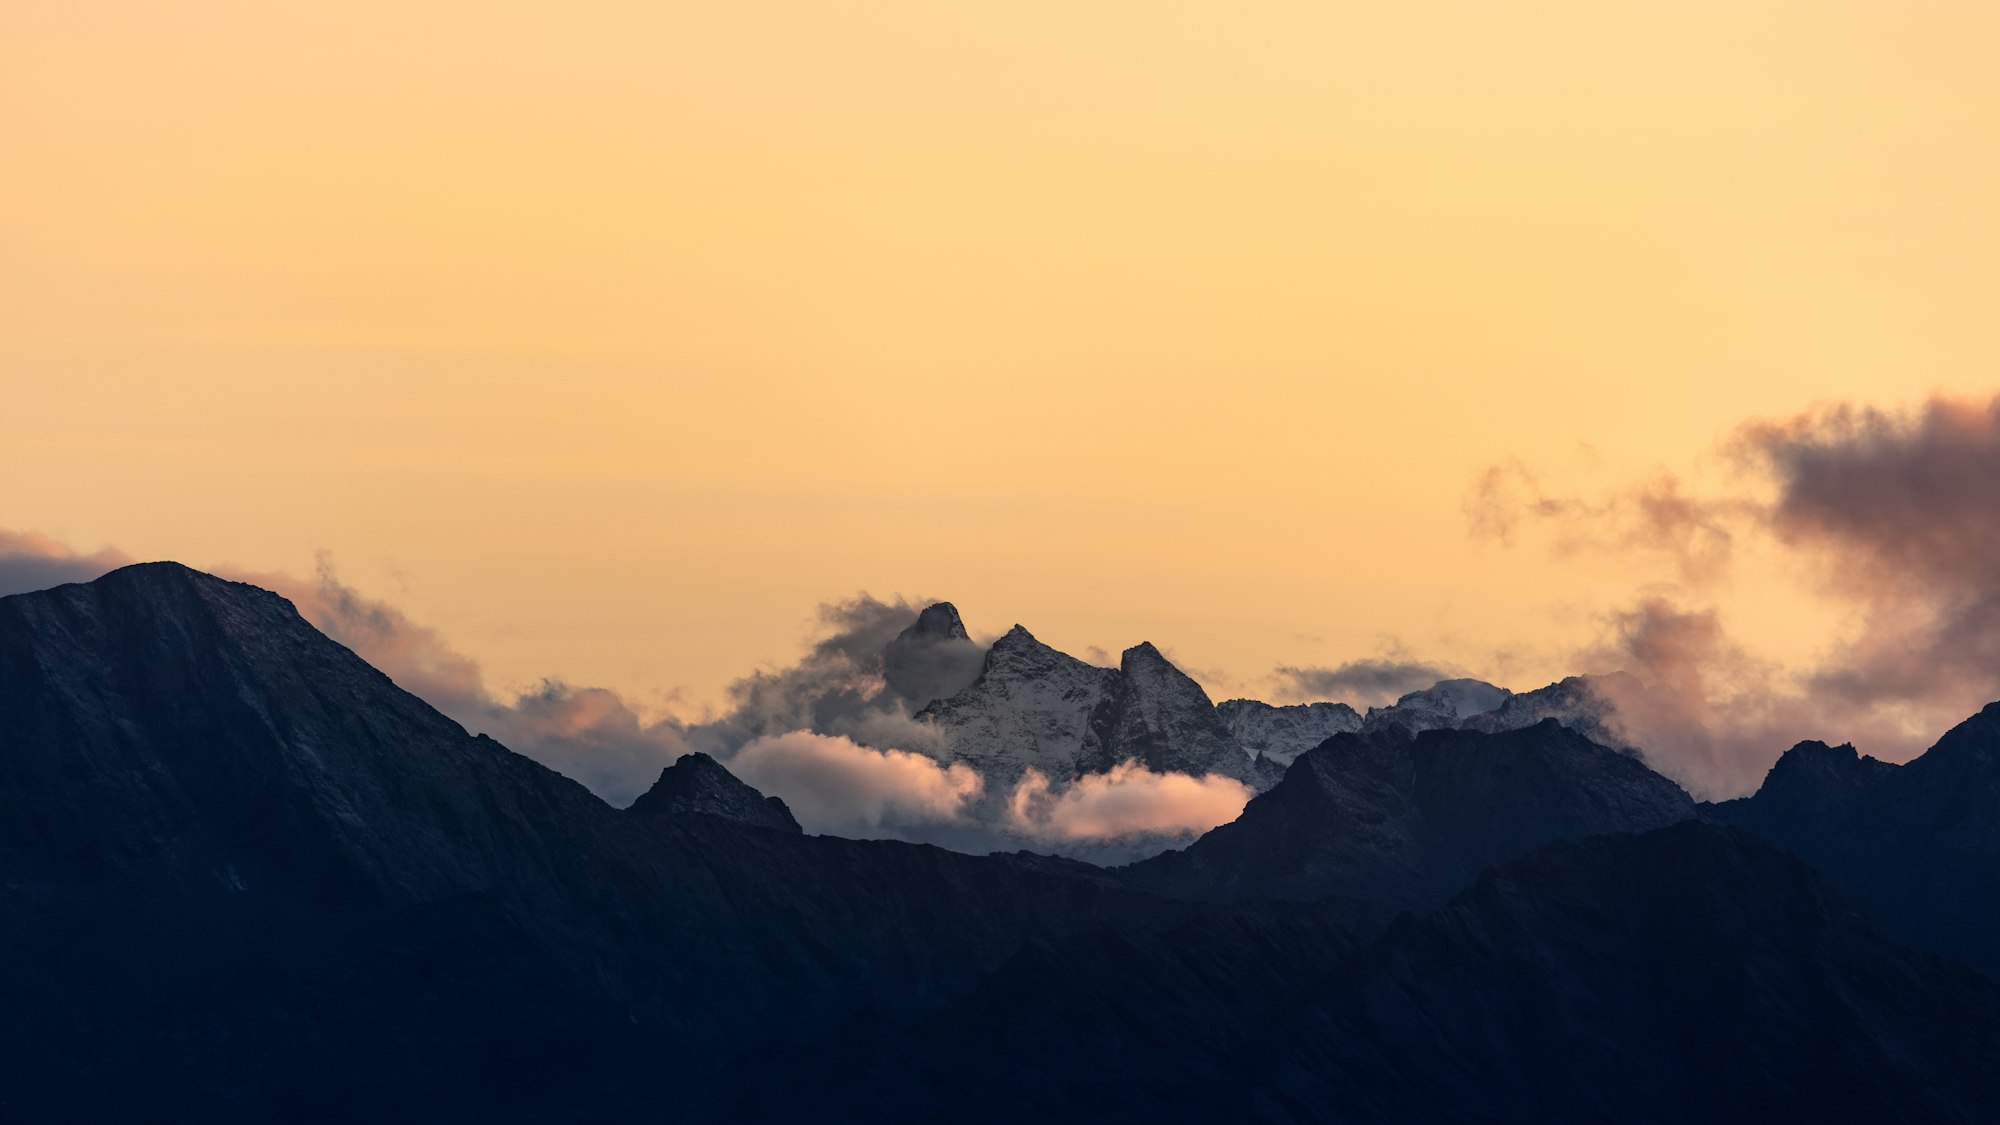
(611, 340)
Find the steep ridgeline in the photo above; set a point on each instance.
(1920, 841)
(1159, 717)
(1692, 973)
(1279, 734)
(244, 877)
(1033, 707)
(698, 783)
(1585, 704)
(1404, 821)
(1441, 706)
(1030, 708)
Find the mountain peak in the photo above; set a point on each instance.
(1162, 717)
(1446, 703)
(939, 620)
(697, 783)
(1404, 819)
(933, 658)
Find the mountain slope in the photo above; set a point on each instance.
(698, 783)
(223, 837)
(1030, 708)
(1279, 734)
(1687, 974)
(1406, 821)
(1159, 717)
(1920, 841)
(1033, 707)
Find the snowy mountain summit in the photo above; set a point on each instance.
(1031, 706)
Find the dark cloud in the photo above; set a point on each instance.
(1359, 682)
(1902, 512)
(1896, 516)
(843, 686)
(32, 561)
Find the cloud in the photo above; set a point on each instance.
(1130, 802)
(1902, 513)
(839, 787)
(413, 655)
(1358, 682)
(30, 560)
(589, 734)
(1894, 515)
(1697, 536)
(845, 684)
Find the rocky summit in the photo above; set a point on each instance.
(699, 784)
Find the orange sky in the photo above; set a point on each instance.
(612, 341)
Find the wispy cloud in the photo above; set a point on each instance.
(1358, 683)
(1894, 515)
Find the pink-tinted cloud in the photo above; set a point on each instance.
(839, 787)
(592, 735)
(1128, 802)
(30, 560)
(1696, 535)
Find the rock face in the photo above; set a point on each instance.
(1584, 704)
(1159, 717)
(1443, 705)
(933, 658)
(699, 784)
(1402, 822)
(1280, 734)
(1687, 974)
(1031, 707)
(1920, 841)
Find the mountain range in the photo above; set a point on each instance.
(1030, 706)
(245, 877)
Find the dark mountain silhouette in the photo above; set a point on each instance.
(1920, 841)
(1692, 973)
(1405, 820)
(247, 878)
(244, 877)
(698, 783)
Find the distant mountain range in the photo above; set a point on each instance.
(1033, 707)
(244, 877)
